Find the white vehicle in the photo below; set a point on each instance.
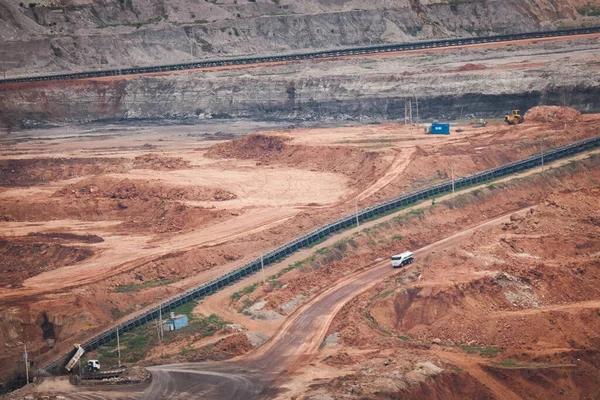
(94, 365)
(402, 259)
(75, 358)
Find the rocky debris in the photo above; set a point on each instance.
(130, 375)
(518, 293)
(331, 340)
(256, 338)
(256, 311)
(557, 114)
(290, 306)
(233, 328)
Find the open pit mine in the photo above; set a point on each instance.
(310, 200)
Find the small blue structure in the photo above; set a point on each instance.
(440, 129)
(176, 322)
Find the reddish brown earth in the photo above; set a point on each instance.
(188, 214)
(523, 294)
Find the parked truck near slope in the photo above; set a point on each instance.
(402, 259)
(75, 358)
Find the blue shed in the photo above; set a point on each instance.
(176, 322)
(440, 129)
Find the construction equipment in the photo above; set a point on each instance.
(402, 259)
(514, 119)
(75, 358)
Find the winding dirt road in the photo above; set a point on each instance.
(294, 345)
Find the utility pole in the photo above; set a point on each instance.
(3, 67)
(417, 105)
(542, 161)
(356, 211)
(26, 362)
(262, 267)
(118, 346)
(160, 327)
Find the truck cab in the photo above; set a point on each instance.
(402, 259)
(94, 365)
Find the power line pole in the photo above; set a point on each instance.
(160, 328)
(356, 211)
(26, 361)
(417, 105)
(3, 67)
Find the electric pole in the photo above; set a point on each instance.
(417, 105)
(356, 211)
(26, 362)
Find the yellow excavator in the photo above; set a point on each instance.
(514, 119)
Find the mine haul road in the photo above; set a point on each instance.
(292, 347)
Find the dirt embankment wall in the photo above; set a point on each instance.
(294, 96)
(54, 36)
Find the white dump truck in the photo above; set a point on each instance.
(402, 259)
(75, 358)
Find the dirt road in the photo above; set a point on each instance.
(295, 344)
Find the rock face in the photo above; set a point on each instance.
(368, 89)
(59, 35)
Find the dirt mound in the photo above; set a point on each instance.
(20, 259)
(65, 237)
(26, 172)
(152, 215)
(249, 147)
(544, 114)
(447, 386)
(103, 187)
(573, 374)
(224, 349)
(472, 67)
(159, 163)
(340, 358)
(363, 167)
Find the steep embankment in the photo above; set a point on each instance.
(59, 35)
(446, 84)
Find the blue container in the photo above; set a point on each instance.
(440, 129)
(180, 321)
